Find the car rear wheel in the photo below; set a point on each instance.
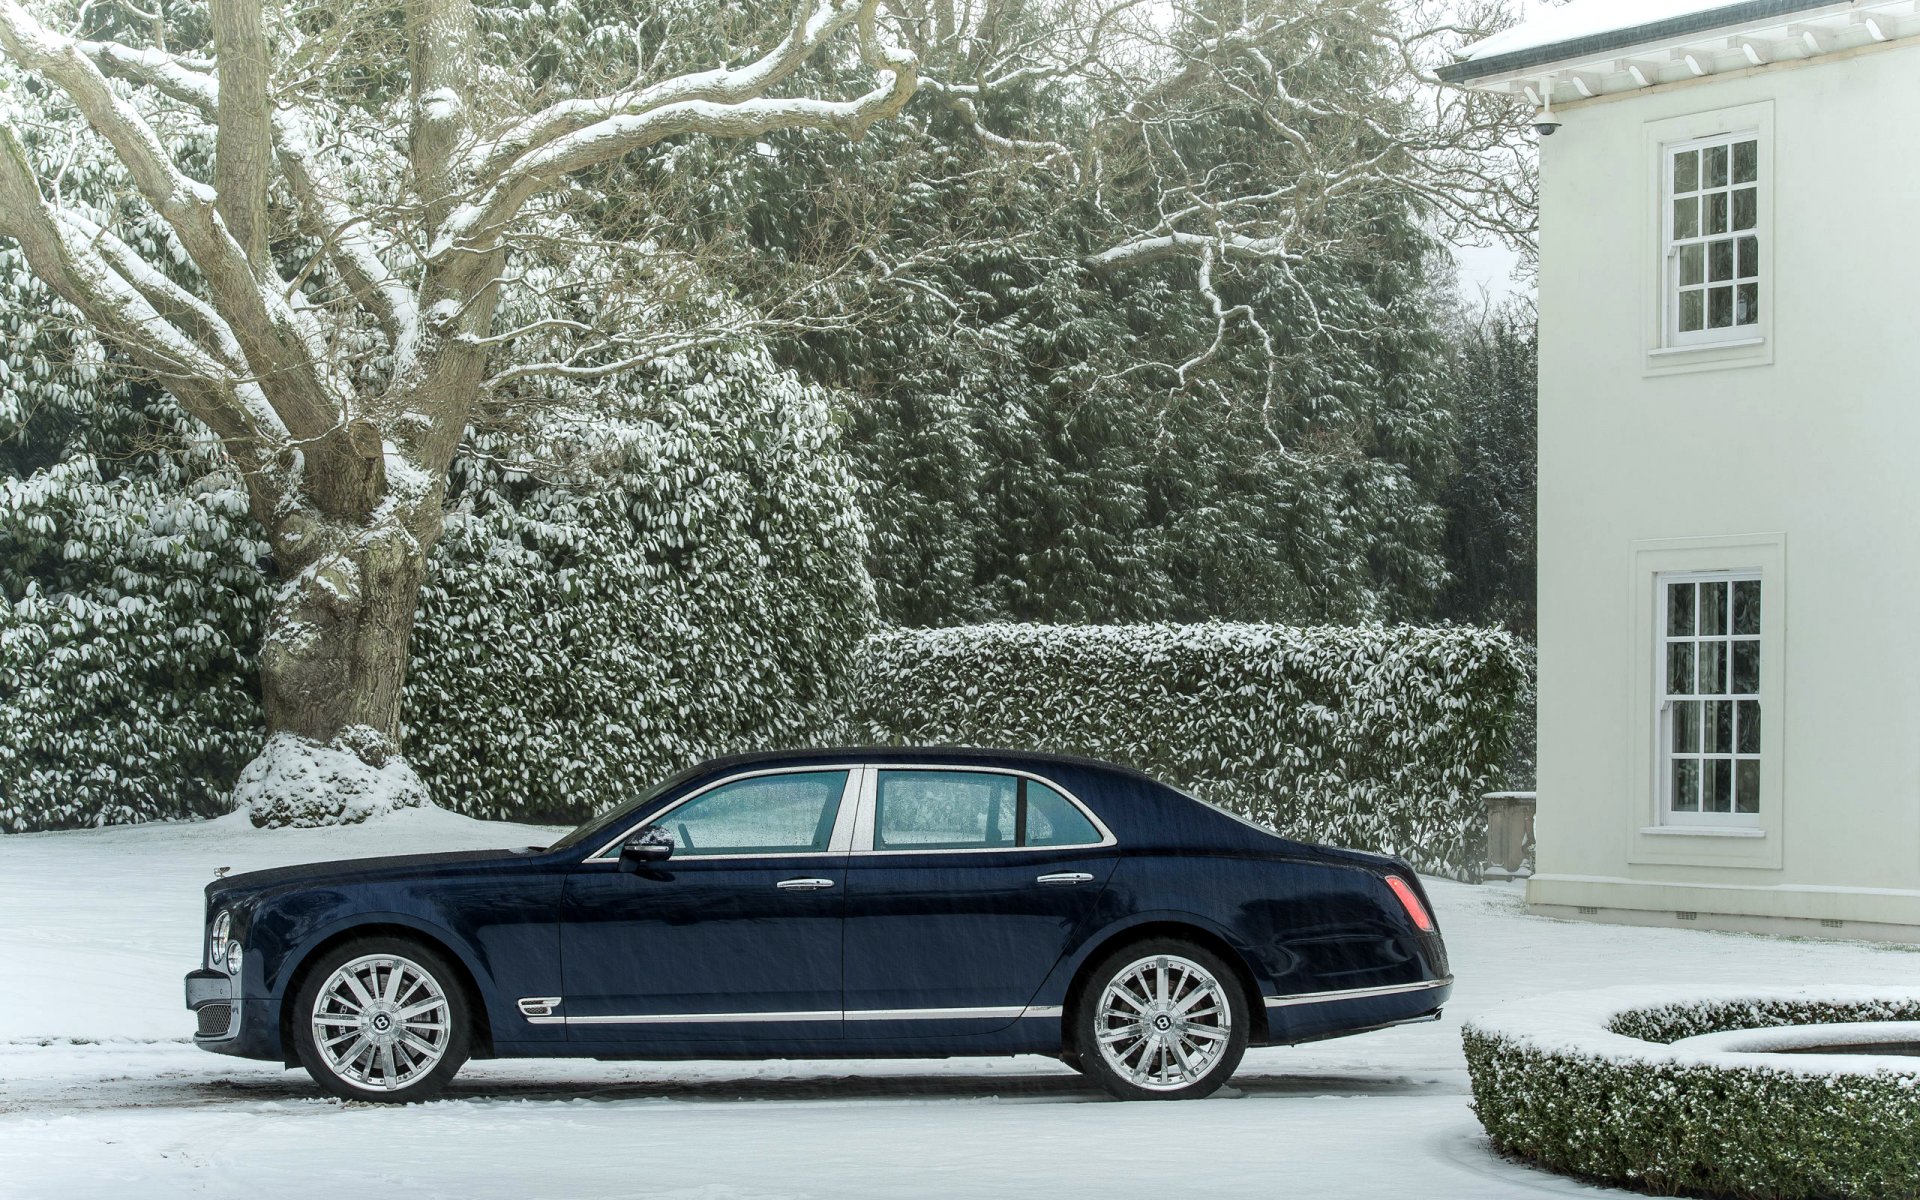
(381, 1019)
(1161, 1020)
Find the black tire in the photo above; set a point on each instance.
(1127, 1075)
(453, 1043)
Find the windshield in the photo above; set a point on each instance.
(606, 823)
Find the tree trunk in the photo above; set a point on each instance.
(332, 668)
(335, 652)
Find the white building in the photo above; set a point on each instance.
(1729, 513)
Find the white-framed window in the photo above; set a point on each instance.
(1712, 199)
(1707, 693)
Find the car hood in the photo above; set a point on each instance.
(356, 870)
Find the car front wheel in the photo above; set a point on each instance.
(381, 1019)
(1161, 1020)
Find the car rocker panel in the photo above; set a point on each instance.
(859, 903)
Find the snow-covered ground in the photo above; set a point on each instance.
(102, 1095)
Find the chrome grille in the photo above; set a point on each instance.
(214, 1018)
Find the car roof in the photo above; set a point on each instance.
(942, 754)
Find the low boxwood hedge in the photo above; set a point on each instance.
(1588, 1084)
(1375, 737)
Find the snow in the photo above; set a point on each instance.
(1579, 1022)
(296, 780)
(1584, 18)
(102, 1096)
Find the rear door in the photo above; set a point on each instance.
(964, 889)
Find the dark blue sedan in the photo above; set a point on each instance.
(830, 903)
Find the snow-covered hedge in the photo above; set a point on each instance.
(1604, 1085)
(685, 580)
(1373, 737)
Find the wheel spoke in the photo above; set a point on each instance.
(1205, 1033)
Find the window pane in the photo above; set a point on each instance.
(1679, 609)
(1686, 785)
(1746, 796)
(1713, 608)
(1749, 258)
(1719, 308)
(1716, 218)
(1744, 207)
(1719, 726)
(1713, 669)
(1052, 820)
(1680, 669)
(1716, 163)
(1686, 172)
(1686, 727)
(1749, 740)
(1746, 668)
(1746, 304)
(1746, 162)
(1693, 264)
(1716, 782)
(1693, 308)
(1686, 218)
(770, 814)
(1746, 607)
(943, 810)
(1720, 261)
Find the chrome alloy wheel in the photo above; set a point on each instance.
(1164, 1022)
(381, 1022)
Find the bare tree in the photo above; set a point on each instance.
(342, 386)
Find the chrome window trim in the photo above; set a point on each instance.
(1392, 989)
(837, 842)
(863, 830)
(1003, 1012)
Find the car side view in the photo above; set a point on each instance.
(853, 903)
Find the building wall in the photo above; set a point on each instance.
(1799, 454)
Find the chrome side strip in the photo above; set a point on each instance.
(1392, 989)
(1005, 1013)
(1001, 1012)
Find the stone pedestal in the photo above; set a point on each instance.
(1509, 834)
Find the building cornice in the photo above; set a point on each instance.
(1730, 38)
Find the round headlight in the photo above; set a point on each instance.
(233, 959)
(217, 939)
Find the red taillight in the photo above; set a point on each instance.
(1410, 900)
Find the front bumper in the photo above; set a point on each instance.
(214, 999)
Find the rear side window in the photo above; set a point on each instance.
(944, 810)
(1052, 820)
(765, 814)
(973, 810)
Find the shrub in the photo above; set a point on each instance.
(683, 580)
(1372, 737)
(1588, 1084)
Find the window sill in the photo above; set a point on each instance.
(1730, 831)
(1699, 347)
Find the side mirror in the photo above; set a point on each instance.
(650, 844)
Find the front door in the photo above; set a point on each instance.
(735, 938)
(975, 883)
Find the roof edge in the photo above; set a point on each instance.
(1468, 70)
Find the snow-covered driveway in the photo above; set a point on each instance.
(101, 1095)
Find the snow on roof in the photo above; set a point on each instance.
(1587, 18)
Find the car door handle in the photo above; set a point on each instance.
(803, 885)
(1064, 879)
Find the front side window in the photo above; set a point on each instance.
(973, 810)
(1709, 684)
(1713, 239)
(790, 813)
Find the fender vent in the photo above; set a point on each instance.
(214, 1019)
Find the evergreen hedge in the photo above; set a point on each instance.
(1588, 1085)
(1374, 737)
